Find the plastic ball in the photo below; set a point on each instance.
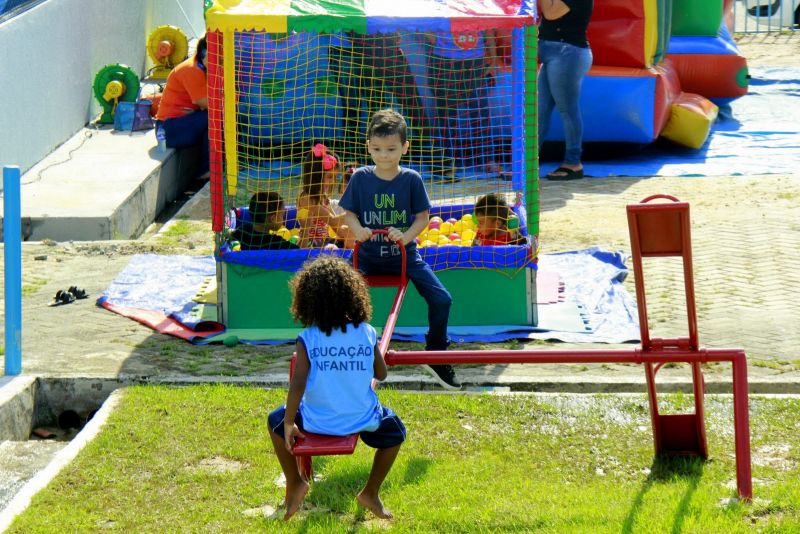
(428, 243)
(434, 225)
(332, 233)
(467, 221)
(294, 239)
(284, 233)
(330, 246)
(437, 219)
(452, 220)
(295, 231)
(443, 240)
(456, 242)
(230, 341)
(467, 235)
(446, 227)
(458, 226)
(433, 234)
(454, 236)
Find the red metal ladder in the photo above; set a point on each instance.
(663, 230)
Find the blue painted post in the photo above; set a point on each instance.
(12, 239)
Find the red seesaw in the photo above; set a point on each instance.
(656, 230)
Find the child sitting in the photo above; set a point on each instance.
(495, 223)
(266, 216)
(329, 394)
(315, 212)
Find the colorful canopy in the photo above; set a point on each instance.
(367, 16)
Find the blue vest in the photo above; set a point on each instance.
(339, 398)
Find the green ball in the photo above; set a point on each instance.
(231, 341)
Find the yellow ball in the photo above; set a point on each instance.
(445, 228)
(284, 233)
(427, 243)
(332, 233)
(456, 242)
(302, 214)
(443, 240)
(295, 231)
(467, 235)
(433, 235)
(458, 226)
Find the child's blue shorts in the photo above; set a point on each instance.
(391, 431)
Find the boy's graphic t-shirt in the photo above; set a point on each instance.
(339, 398)
(379, 204)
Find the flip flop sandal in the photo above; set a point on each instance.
(62, 297)
(77, 292)
(568, 174)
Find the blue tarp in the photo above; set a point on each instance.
(757, 134)
(597, 309)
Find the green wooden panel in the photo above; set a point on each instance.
(257, 298)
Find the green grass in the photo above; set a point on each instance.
(32, 285)
(472, 463)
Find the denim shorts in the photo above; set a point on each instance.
(390, 433)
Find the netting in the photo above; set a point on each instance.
(288, 115)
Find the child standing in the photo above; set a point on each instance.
(390, 197)
(331, 395)
(266, 216)
(315, 212)
(492, 219)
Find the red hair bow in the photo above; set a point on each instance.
(329, 161)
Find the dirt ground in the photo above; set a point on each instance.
(752, 223)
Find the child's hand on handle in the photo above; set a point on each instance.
(363, 234)
(290, 434)
(396, 235)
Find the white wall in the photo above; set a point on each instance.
(50, 54)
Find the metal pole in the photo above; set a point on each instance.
(13, 268)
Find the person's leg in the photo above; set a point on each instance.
(296, 486)
(439, 302)
(346, 65)
(440, 76)
(566, 75)
(369, 497)
(386, 441)
(546, 102)
(188, 131)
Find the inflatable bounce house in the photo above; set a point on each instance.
(293, 83)
(658, 65)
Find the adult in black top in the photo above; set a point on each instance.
(566, 58)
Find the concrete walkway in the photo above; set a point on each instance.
(100, 184)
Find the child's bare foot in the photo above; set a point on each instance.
(295, 493)
(373, 504)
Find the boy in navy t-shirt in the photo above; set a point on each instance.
(393, 198)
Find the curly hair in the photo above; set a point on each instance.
(328, 293)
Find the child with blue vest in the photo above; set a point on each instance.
(331, 388)
(390, 197)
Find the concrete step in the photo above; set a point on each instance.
(102, 184)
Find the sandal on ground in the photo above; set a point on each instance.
(563, 174)
(62, 297)
(77, 292)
